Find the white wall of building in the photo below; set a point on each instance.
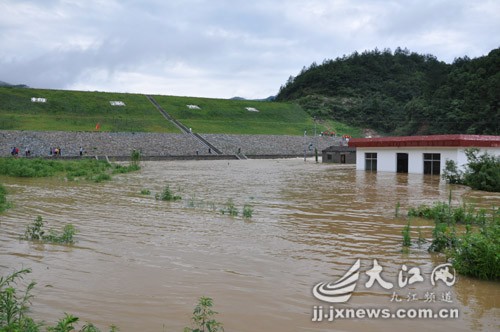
(387, 162)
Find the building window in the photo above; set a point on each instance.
(432, 163)
(329, 156)
(370, 161)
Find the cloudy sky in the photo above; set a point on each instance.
(222, 48)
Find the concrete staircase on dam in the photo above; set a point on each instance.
(185, 129)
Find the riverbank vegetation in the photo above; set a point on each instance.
(482, 171)
(86, 168)
(15, 308)
(167, 195)
(4, 205)
(469, 237)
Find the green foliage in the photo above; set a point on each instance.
(475, 252)
(402, 93)
(135, 158)
(396, 212)
(478, 253)
(167, 195)
(14, 304)
(145, 192)
(14, 309)
(451, 173)
(65, 324)
(247, 211)
(406, 235)
(230, 208)
(442, 212)
(87, 168)
(482, 171)
(36, 232)
(4, 205)
(204, 317)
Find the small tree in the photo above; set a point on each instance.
(482, 171)
(451, 173)
(203, 317)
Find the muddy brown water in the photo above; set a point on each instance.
(141, 264)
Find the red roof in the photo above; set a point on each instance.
(432, 140)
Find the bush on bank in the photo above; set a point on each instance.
(474, 248)
(482, 172)
(87, 168)
(15, 307)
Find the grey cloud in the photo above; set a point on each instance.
(59, 43)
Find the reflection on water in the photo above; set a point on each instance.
(142, 264)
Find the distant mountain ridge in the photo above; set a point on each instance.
(270, 98)
(402, 93)
(2, 83)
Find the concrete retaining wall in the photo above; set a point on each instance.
(156, 144)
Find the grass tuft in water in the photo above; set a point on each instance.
(247, 211)
(4, 205)
(406, 235)
(229, 209)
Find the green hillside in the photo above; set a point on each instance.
(78, 111)
(81, 111)
(402, 93)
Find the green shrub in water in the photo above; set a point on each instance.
(167, 195)
(406, 235)
(4, 205)
(230, 209)
(14, 309)
(204, 317)
(247, 211)
(473, 253)
(36, 232)
(477, 254)
(482, 171)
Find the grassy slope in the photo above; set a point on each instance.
(231, 117)
(80, 111)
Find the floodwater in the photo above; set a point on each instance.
(142, 264)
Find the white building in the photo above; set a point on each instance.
(418, 154)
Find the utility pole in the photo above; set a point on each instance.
(305, 144)
(315, 141)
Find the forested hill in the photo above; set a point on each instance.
(402, 93)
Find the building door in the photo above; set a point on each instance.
(402, 162)
(342, 158)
